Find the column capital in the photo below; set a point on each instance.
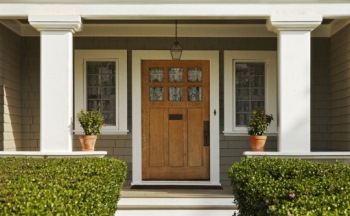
(71, 23)
(278, 23)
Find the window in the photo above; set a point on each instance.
(100, 84)
(250, 82)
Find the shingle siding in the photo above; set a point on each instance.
(31, 93)
(320, 94)
(339, 90)
(10, 90)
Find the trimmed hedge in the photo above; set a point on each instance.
(65, 186)
(275, 186)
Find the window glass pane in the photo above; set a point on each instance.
(107, 93)
(93, 93)
(175, 74)
(93, 80)
(156, 93)
(250, 89)
(194, 75)
(194, 93)
(156, 74)
(93, 105)
(101, 89)
(109, 118)
(175, 93)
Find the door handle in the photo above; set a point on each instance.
(206, 133)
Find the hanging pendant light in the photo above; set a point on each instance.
(176, 49)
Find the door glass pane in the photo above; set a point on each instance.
(156, 93)
(175, 74)
(250, 89)
(194, 93)
(101, 78)
(194, 75)
(175, 93)
(156, 74)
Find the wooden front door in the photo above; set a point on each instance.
(175, 120)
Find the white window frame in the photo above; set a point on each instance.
(270, 60)
(80, 97)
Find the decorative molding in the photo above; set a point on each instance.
(56, 23)
(277, 26)
(293, 23)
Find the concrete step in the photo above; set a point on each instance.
(176, 206)
(176, 212)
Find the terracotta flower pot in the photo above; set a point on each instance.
(257, 143)
(88, 142)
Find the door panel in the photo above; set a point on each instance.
(195, 140)
(177, 138)
(156, 137)
(175, 105)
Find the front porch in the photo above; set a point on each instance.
(312, 55)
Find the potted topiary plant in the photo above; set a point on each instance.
(257, 126)
(91, 122)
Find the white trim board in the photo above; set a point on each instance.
(38, 154)
(167, 30)
(137, 57)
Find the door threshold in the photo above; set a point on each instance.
(175, 185)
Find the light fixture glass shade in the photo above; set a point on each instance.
(176, 51)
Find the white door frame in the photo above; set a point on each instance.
(137, 57)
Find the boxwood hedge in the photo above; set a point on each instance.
(275, 186)
(66, 186)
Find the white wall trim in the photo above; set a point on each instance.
(167, 30)
(172, 9)
(137, 57)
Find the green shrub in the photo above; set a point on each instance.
(274, 186)
(65, 186)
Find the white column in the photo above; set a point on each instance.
(294, 110)
(56, 80)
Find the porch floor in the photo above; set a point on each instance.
(226, 192)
